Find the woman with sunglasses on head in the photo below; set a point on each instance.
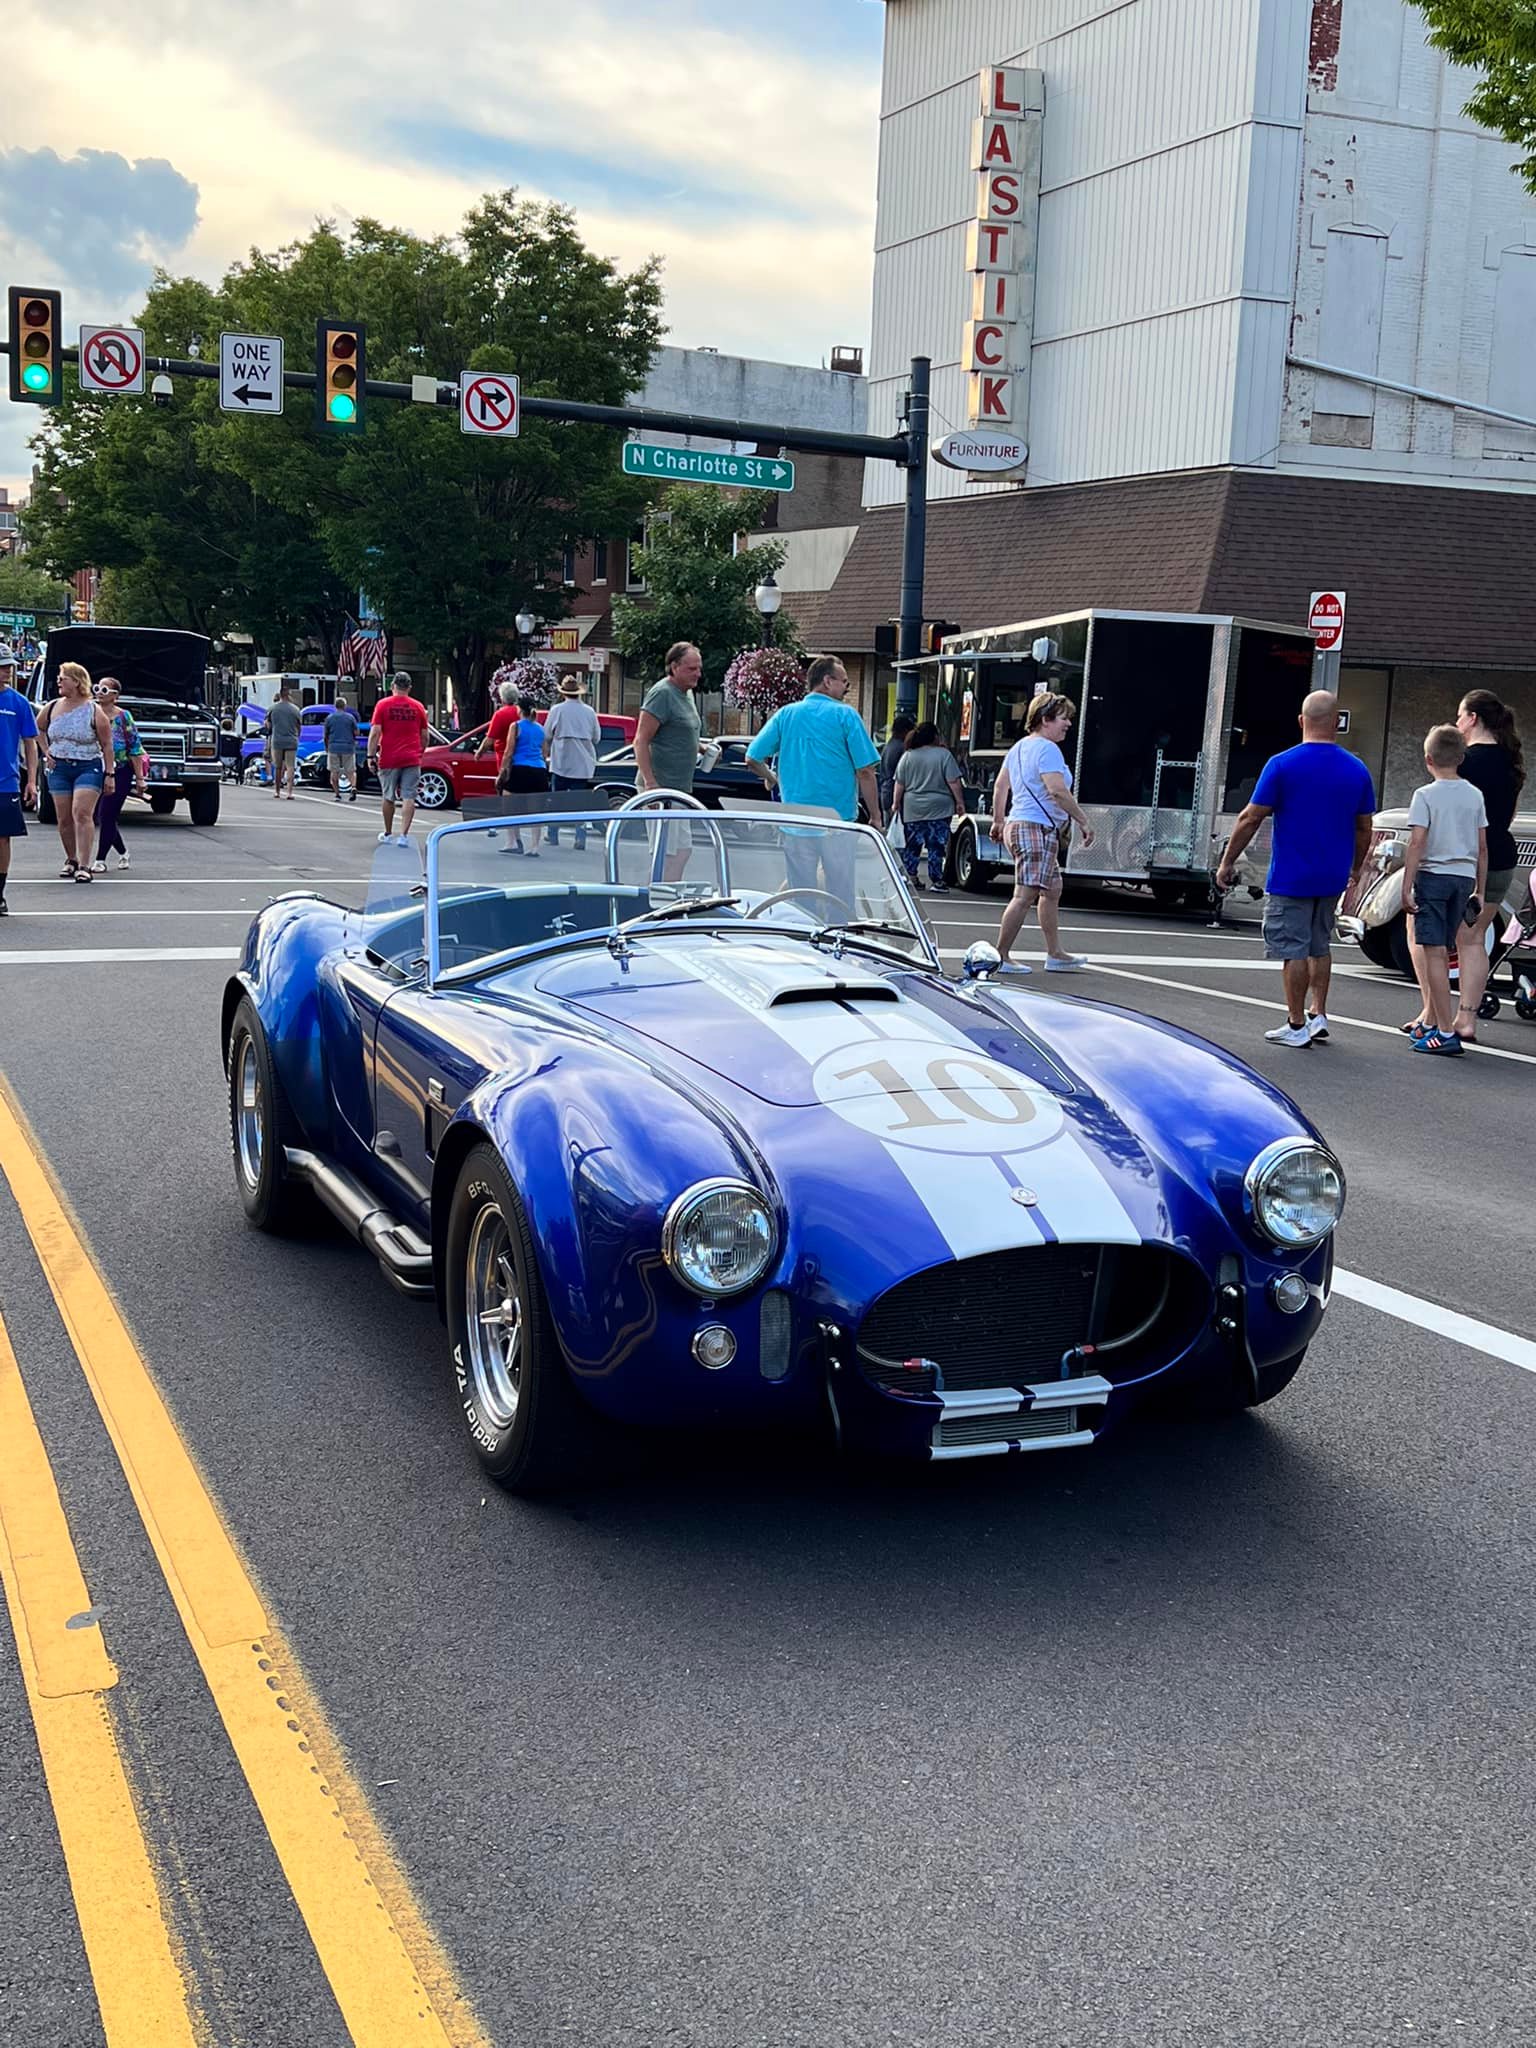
(77, 749)
(130, 766)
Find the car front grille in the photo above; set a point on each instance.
(1006, 1319)
(164, 742)
(960, 1431)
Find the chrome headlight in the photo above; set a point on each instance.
(1294, 1192)
(719, 1238)
(204, 735)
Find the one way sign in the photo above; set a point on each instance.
(250, 373)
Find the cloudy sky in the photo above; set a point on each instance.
(738, 143)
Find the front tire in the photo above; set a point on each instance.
(529, 1427)
(1376, 945)
(203, 803)
(434, 792)
(162, 802)
(261, 1126)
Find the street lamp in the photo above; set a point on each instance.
(769, 597)
(525, 624)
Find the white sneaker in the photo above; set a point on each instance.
(1289, 1034)
(1013, 967)
(385, 838)
(404, 839)
(1064, 963)
(122, 862)
(1317, 1024)
(98, 867)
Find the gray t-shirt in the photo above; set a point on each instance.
(571, 734)
(341, 733)
(925, 773)
(283, 722)
(675, 746)
(1455, 813)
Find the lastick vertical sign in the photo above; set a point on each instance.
(1002, 245)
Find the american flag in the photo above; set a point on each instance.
(362, 654)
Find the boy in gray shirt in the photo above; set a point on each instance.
(1443, 879)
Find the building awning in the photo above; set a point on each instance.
(1433, 575)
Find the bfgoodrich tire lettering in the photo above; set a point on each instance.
(261, 1124)
(529, 1427)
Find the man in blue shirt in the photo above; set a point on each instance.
(1322, 801)
(18, 738)
(825, 761)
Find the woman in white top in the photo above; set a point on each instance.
(77, 748)
(1034, 793)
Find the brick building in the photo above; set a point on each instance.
(1266, 329)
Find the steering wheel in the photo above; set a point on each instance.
(784, 895)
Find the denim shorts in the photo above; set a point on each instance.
(1442, 906)
(65, 777)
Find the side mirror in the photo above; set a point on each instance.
(981, 961)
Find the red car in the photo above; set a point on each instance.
(449, 774)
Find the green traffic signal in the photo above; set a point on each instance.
(35, 376)
(342, 406)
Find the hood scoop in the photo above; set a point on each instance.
(836, 992)
(767, 977)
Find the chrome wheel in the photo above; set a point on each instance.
(249, 1113)
(432, 791)
(493, 1319)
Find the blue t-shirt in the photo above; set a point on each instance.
(820, 745)
(1316, 792)
(528, 743)
(16, 724)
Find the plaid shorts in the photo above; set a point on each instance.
(1035, 864)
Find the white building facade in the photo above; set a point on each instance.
(1232, 193)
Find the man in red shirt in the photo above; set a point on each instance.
(395, 741)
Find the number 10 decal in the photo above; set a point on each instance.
(921, 1093)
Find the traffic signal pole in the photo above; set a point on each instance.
(914, 535)
(908, 450)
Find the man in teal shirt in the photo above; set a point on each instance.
(825, 760)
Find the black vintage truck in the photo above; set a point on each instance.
(162, 674)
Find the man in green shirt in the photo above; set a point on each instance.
(667, 742)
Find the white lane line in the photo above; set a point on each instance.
(288, 883)
(1441, 1322)
(144, 914)
(1149, 930)
(101, 956)
(1101, 960)
(1222, 995)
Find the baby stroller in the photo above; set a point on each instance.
(1515, 953)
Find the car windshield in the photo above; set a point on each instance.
(498, 888)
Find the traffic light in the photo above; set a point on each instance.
(341, 372)
(934, 634)
(36, 370)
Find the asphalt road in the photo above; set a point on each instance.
(1216, 1735)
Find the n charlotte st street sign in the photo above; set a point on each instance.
(700, 466)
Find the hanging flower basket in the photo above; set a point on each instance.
(530, 677)
(761, 679)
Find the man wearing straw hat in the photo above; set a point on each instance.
(571, 736)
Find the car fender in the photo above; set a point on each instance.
(599, 1146)
(1383, 901)
(280, 971)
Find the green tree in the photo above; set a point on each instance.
(26, 588)
(1497, 38)
(698, 586)
(269, 525)
(453, 534)
(132, 488)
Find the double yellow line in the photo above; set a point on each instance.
(390, 1976)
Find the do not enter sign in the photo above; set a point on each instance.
(488, 403)
(1325, 616)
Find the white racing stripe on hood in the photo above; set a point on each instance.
(957, 1160)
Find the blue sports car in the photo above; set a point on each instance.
(681, 1123)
